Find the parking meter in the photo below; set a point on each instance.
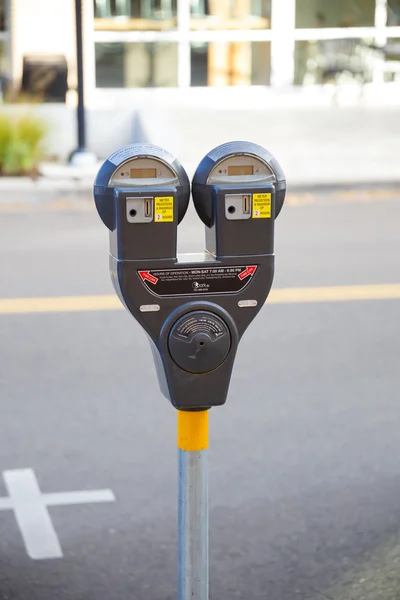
(194, 308)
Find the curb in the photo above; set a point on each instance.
(343, 186)
(42, 190)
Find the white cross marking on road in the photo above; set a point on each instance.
(30, 509)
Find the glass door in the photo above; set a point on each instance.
(5, 58)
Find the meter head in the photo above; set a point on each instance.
(236, 165)
(143, 168)
(238, 190)
(138, 189)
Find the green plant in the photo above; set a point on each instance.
(21, 144)
(5, 137)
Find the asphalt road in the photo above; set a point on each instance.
(304, 457)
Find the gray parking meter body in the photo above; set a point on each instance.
(194, 308)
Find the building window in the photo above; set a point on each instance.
(3, 58)
(166, 43)
(338, 13)
(230, 63)
(393, 13)
(390, 55)
(2, 15)
(134, 15)
(138, 64)
(230, 14)
(334, 61)
(4, 48)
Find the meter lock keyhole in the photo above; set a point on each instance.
(139, 210)
(237, 206)
(197, 350)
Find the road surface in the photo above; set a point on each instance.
(304, 457)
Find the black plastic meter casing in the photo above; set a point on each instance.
(196, 308)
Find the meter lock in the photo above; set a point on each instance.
(237, 206)
(139, 210)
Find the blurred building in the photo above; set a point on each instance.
(155, 67)
(187, 43)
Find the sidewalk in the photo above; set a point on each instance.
(317, 147)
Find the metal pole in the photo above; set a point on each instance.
(79, 66)
(193, 505)
(81, 157)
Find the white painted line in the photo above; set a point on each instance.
(68, 498)
(33, 518)
(5, 504)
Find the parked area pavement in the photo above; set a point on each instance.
(304, 469)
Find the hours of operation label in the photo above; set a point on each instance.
(197, 281)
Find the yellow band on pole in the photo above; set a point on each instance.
(193, 430)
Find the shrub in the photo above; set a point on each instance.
(21, 144)
(5, 137)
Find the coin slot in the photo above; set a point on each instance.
(147, 207)
(246, 205)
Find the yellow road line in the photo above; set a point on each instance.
(346, 293)
(59, 304)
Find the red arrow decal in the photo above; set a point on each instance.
(146, 275)
(248, 272)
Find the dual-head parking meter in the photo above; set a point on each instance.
(195, 307)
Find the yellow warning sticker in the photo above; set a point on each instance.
(261, 206)
(164, 209)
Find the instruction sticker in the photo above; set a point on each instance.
(164, 209)
(261, 206)
(199, 280)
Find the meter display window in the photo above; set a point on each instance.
(241, 170)
(143, 173)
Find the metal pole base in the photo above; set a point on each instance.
(82, 158)
(193, 508)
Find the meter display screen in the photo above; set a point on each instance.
(241, 170)
(143, 173)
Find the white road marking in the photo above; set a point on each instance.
(33, 518)
(68, 498)
(5, 503)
